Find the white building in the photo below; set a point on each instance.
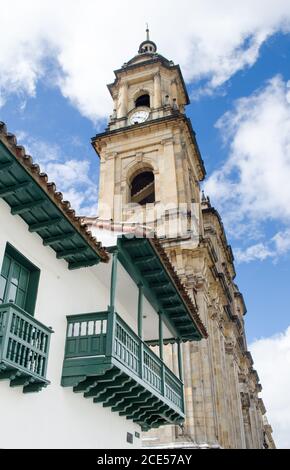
(98, 382)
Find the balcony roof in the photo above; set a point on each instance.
(144, 258)
(41, 206)
(147, 263)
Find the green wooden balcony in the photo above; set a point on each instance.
(105, 360)
(24, 347)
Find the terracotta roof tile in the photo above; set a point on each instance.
(10, 141)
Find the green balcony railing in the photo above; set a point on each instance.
(98, 339)
(24, 347)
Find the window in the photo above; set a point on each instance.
(143, 100)
(143, 188)
(19, 280)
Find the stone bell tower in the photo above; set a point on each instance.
(150, 170)
(148, 154)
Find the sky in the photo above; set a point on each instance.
(55, 61)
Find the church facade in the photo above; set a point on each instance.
(150, 175)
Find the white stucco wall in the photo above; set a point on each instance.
(56, 417)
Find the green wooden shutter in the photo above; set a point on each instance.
(14, 282)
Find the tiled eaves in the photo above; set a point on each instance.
(56, 197)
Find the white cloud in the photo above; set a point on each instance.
(272, 360)
(76, 44)
(252, 187)
(282, 241)
(72, 176)
(255, 252)
(274, 248)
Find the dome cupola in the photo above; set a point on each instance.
(147, 46)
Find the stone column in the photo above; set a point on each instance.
(252, 416)
(157, 91)
(240, 431)
(229, 394)
(107, 188)
(174, 91)
(188, 401)
(204, 400)
(220, 381)
(168, 170)
(123, 101)
(245, 400)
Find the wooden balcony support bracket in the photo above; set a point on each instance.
(113, 365)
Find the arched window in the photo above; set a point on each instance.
(143, 100)
(143, 188)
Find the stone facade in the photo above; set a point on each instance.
(223, 408)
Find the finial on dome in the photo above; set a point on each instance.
(147, 32)
(147, 46)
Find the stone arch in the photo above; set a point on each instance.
(140, 178)
(142, 95)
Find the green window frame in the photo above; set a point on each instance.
(18, 280)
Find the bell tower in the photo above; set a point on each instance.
(150, 164)
(150, 173)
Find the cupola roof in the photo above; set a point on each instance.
(147, 45)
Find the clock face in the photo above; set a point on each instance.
(139, 116)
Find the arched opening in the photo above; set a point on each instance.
(143, 188)
(143, 100)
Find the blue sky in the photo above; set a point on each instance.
(235, 59)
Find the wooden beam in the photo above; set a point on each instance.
(140, 311)
(153, 273)
(135, 405)
(108, 387)
(138, 396)
(12, 189)
(113, 280)
(136, 409)
(161, 352)
(118, 395)
(25, 380)
(86, 385)
(22, 208)
(140, 328)
(183, 321)
(33, 387)
(167, 296)
(177, 316)
(133, 242)
(159, 285)
(121, 401)
(159, 408)
(86, 263)
(172, 306)
(72, 252)
(143, 259)
(160, 336)
(180, 365)
(6, 166)
(58, 238)
(47, 223)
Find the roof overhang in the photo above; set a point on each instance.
(37, 202)
(147, 263)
